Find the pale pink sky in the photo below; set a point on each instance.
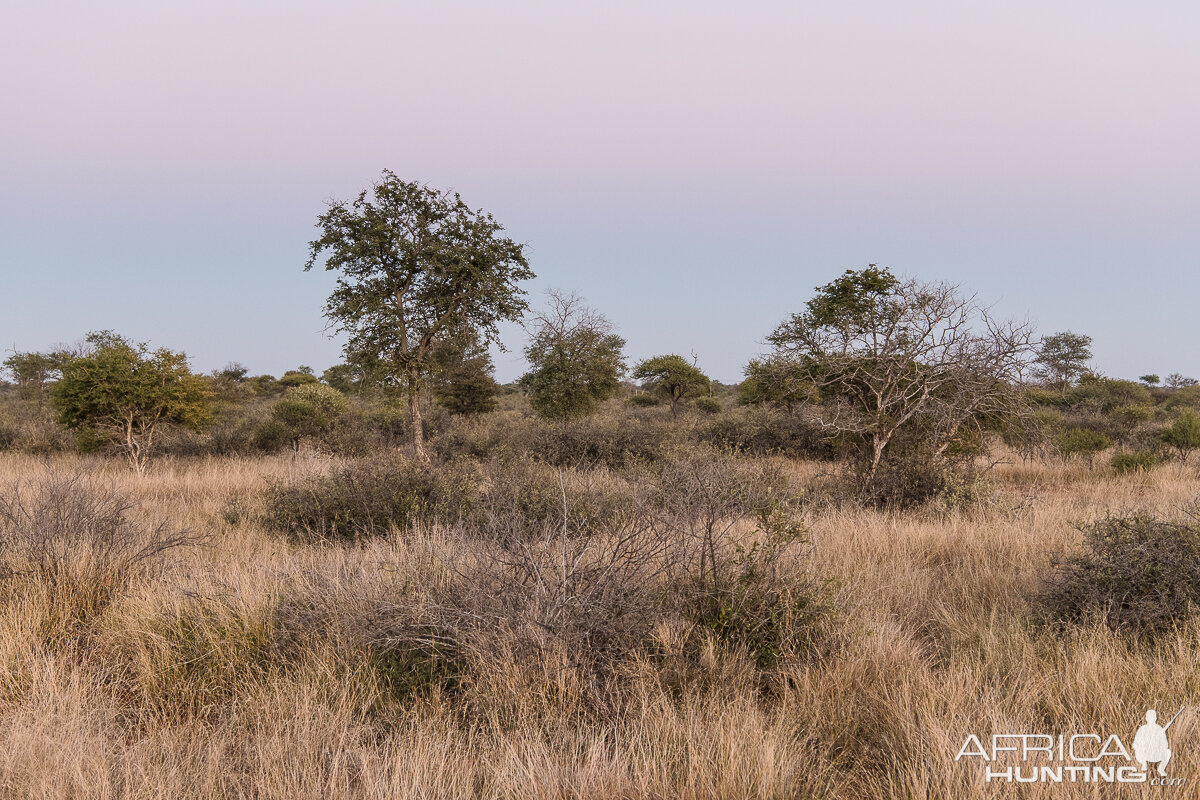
(694, 169)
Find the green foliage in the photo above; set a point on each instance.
(1150, 379)
(123, 391)
(462, 379)
(1063, 358)
(1128, 461)
(1137, 573)
(775, 380)
(297, 377)
(576, 360)
(413, 264)
(708, 405)
(32, 372)
(308, 411)
(1184, 434)
(672, 378)
(1081, 442)
(644, 400)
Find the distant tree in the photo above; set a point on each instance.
(1177, 381)
(232, 372)
(780, 381)
(308, 411)
(886, 357)
(576, 359)
(1184, 434)
(123, 392)
(673, 378)
(298, 377)
(1063, 358)
(32, 372)
(413, 263)
(462, 379)
(1150, 379)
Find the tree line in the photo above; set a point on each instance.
(890, 372)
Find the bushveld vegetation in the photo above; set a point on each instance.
(910, 522)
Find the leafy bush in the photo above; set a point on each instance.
(1135, 572)
(643, 399)
(708, 405)
(1184, 434)
(369, 497)
(1134, 461)
(1081, 442)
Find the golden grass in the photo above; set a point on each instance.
(174, 695)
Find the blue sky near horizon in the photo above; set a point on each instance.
(692, 169)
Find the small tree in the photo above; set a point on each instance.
(1184, 434)
(1178, 381)
(904, 361)
(462, 378)
(413, 264)
(777, 380)
(1083, 442)
(123, 391)
(308, 411)
(576, 359)
(673, 378)
(32, 372)
(1150, 379)
(1063, 358)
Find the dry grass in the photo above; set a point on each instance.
(242, 669)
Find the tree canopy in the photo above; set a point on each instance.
(673, 378)
(122, 392)
(414, 263)
(576, 359)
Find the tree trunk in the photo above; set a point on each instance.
(414, 407)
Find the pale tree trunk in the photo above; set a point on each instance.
(414, 407)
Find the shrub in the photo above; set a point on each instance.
(760, 430)
(757, 608)
(524, 498)
(70, 537)
(643, 399)
(1134, 461)
(1184, 434)
(369, 497)
(708, 405)
(1137, 572)
(1081, 442)
(308, 410)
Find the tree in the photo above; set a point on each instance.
(1150, 379)
(32, 372)
(462, 380)
(1184, 434)
(414, 263)
(308, 411)
(673, 378)
(886, 356)
(1063, 357)
(123, 391)
(1177, 381)
(301, 376)
(776, 380)
(576, 359)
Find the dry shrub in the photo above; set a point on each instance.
(69, 538)
(371, 496)
(1137, 573)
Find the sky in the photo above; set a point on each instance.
(693, 169)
